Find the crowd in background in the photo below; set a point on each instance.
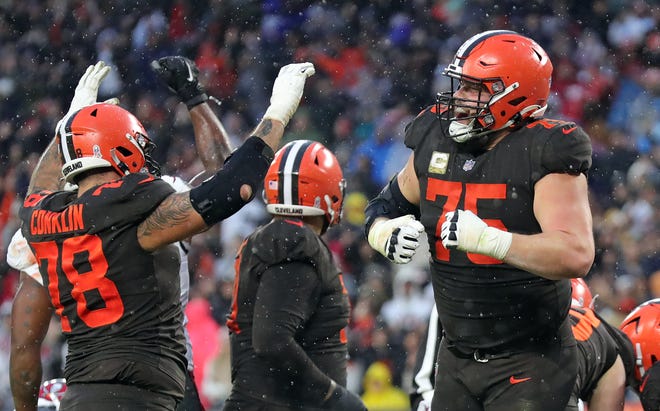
(378, 64)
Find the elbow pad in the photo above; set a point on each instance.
(389, 203)
(219, 197)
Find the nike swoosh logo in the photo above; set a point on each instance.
(513, 380)
(190, 74)
(568, 130)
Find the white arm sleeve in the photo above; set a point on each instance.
(20, 257)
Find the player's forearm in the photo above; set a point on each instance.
(211, 139)
(48, 171)
(278, 316)
(25, 377)
(270, 131)
(610, 391)
(181, 215)
(174, 220)
(553, 255)
(289, 360)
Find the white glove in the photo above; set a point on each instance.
(20, 257)
(467, 232)
(424, 406)
(287, 91)
(87, 89)
(397, 239)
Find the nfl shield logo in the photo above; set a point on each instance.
(469, 164)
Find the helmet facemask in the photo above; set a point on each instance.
(478, 111)
(513, 70)
(148, 147)
(335, 207)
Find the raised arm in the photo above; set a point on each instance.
(287, 92)
(181, 77)
(184, 214)
(211, 140)
(47, 174)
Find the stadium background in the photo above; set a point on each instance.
(378, 64)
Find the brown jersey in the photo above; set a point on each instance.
(118, 304)
(599, 344)
(289, 312)
(483, 303)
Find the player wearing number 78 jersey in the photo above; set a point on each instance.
(105, 251)
(501, 192)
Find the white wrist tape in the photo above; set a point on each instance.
(467, 232)
(494, 242)
(20, 257)
(378, 236)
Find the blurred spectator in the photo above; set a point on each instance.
(409, 308)
(372, 64)
(379, 393)
(204, 333)
(217, 377)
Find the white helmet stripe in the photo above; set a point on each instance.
(291, 164)
(467, 47)
(64, 131)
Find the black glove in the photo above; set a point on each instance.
(343, 400)
(180, 75)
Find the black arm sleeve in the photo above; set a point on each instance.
(287, 297)
(389, 203)
(219, 197)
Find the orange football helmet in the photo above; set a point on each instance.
(642, 326)
(512, 68)
(580, 293)
(104, 135)
(305, 179)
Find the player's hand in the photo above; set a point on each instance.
(19, 255)
(181, 76)
(87, 89)
(465, 231)
(287, 91)
(342, 399)
(397, 239)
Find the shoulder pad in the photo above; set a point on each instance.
(415, 129)
(284, 240)
(567, 148)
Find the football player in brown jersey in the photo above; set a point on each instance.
(501, 193)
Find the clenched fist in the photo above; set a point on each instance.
(288, 90)
(465, 231)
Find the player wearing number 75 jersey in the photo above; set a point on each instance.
(502, 195)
